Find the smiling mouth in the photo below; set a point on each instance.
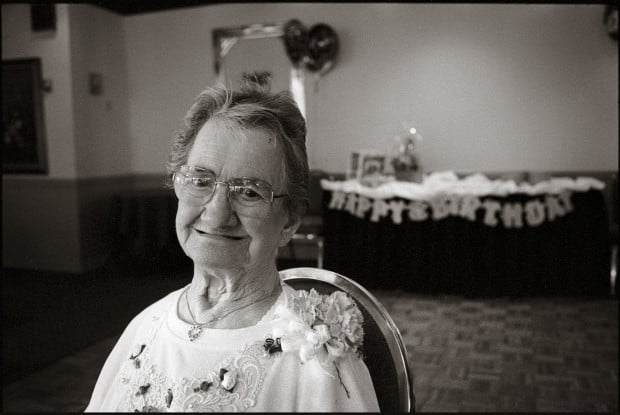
(219, 235)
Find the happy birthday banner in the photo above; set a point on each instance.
(514, 214)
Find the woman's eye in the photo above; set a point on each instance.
(249, 194)
(202, 182)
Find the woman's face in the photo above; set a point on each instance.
(221, 234)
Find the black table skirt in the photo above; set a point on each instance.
(566, 256)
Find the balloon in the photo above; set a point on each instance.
(322, 48)
(295, 41)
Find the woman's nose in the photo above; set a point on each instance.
(218, 211)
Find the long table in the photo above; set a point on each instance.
(506, 240)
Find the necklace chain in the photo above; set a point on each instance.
(196, 328)
(190, 310)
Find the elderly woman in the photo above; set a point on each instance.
(237, 338)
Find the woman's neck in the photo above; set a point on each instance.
(229, 299)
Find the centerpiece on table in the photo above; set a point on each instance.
(405, 162)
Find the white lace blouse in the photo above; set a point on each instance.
(155, 368)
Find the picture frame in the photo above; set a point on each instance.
(353, 167)
(365, 165)
(23, 124)
(372, 165)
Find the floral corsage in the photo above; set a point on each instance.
(325, 327)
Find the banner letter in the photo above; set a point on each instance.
(491, 207)
(535, 212)
(337, 202)
(440, 206)
(417, 210)
(565, 198)
(397, 211)
(512, 215)
(553, 207)
(351, 202)
(363, 204)
(379, 210)
(469, 204)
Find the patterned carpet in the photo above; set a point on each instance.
(523, 355)
(527, 355)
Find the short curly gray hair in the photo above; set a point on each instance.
(276, 113)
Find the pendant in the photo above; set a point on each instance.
(194, 332)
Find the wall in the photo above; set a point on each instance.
(58, 221)
(101, 124)
(102, 141)
(490, 86)
(40, 228)
(18, 41)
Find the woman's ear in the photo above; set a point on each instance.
(289, 229)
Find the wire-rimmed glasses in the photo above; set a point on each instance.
(195, 186)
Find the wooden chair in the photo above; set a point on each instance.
(384, 352)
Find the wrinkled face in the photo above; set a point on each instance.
(221, 234)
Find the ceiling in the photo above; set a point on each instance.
(130, 7)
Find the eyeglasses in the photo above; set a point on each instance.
(196, 185)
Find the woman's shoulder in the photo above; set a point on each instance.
(164, 303)
(325, 332)
(157, 310)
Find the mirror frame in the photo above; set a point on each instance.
(225, 38)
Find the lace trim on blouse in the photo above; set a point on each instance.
(146, 389)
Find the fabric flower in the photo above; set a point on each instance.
(147, 408)
(321, 326)
(228, 379)
(272, 345)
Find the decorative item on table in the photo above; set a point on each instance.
(367, 167)
(406, 163)
(353, 166)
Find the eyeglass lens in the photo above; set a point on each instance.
(196, 186)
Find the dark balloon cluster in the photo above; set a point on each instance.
(315, 49)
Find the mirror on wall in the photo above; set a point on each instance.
(256, 51)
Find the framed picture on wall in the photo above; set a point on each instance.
(23, 127)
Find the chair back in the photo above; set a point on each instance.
(383, 350)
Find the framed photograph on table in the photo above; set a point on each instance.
(23, 126)
(372, 165)
(367, 167)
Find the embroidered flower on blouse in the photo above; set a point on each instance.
(142, 390)
(272, 346)
(323, 326)
(204, 386)
(147, 408)
(138, 349)
(228, 379)
(169, 397)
